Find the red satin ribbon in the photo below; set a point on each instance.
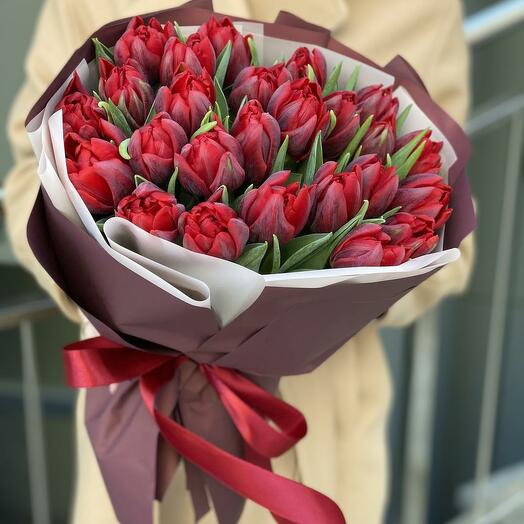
(98, 362)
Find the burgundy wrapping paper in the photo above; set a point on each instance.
(285, 332)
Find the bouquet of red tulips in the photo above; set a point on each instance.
(229, 202)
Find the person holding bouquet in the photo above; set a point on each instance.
(347, 398)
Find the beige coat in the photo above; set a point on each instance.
(346, 400)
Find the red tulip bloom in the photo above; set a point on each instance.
(257, 82)
(82, 116)
(98, 173)
(276, 209)
(430, 160)
(212, 228)
(377, 101)
(301, 58)
(338, 197)
(126, 87)
(414, 233)
(380, 139)
(196, 53)
(379, 184)
(425, 194)
(220, 32)
(343, 104)
(300, 112)
(187, 99)
(153, 146)
(153, 210)
(209, 161)
(259, 135)
(367, 245)
(144, 43)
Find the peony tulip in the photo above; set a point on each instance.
(425, 194)
(196, 53)
(209, 161)
(259, 135)
(212, 228)
(301, 58)
(257, 82)
(367, 245)
(338, 197)
(144, 43)
(126, 87)
(98, 173)
(301, 113)
(153, 210)
(343, 104)
(187, 99)
(153, 146)
(276, 209)
(220, 32)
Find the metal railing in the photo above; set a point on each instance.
(419, 425)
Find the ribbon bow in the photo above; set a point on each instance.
(100, 362)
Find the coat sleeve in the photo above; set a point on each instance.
(448, 83)
(51, 46)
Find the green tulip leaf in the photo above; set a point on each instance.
(151, 114)
(225, 195)
(405, 168)
(102, 51)
(299, 248)
(332, 122)
(122, 149)
(271, 262)
(171, 186)
(253, 50)
(391, 212)
(353, 79)
(221, 101)
(400, 156)
(238, 199)
(402, 117)
(139, 180)
(314, 161)
(222, 64)
(311, 74)
(100, 223)
(204, 129)
(342, 163)
(116, 116)
(355, 141)
(252, 256)
(207, 117)
(243, 102)
(378, 221)
(280, 159)
(179, 33)
(97, 96)
(332, 81)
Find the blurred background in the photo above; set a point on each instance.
(457, 429)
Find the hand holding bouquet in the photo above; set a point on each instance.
(228, 202)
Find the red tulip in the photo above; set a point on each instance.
(81, 114)
(301, 58)
(300, 112)
(257, 82)
(425, 194)
(145, 44)
(429, 161)
(276, 209)
(209, 161)
(126, 87)
(196, 53)
(414, 233)
(377, 101)
(98, 173)
(212, 228)
(259, 135)
(367, 245)
(187, 99)
(153, 210)
(220, 32)
(338, 197)
(343, 104)
(153, 146)
(379, 184)
(380, 139)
